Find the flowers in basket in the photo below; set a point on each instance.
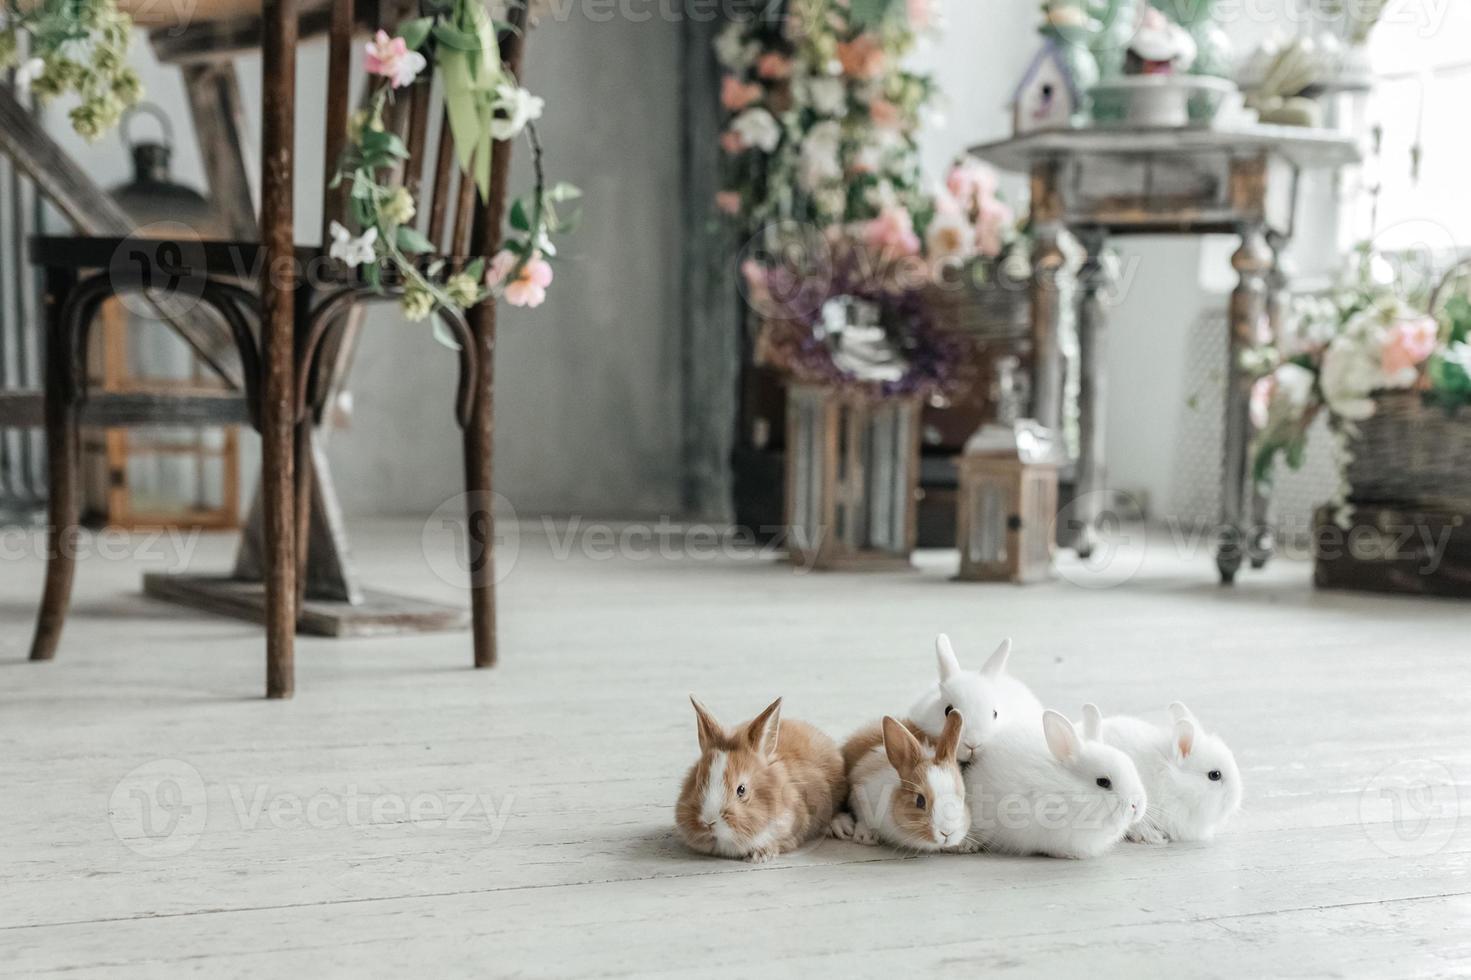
(1340, 351)
(72, 46)
(969, 223)
(484, 104)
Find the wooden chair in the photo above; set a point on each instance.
(300, 317)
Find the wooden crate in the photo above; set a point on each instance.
(1388, 549)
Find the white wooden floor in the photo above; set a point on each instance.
(308, 837)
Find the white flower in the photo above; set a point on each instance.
(352, 251)
(1018, 263)
(26, 74)
(733, 50)
(759, 128)
(1294, 385)
(1350, 373)
(521, 107)
(950, 236)
(827, 96)
(831, 202)
(820, 162)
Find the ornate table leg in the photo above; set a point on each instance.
(1092, 391)
(1252, 262)
(1263, 541)
(1047, 260)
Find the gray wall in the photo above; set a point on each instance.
(588, 386)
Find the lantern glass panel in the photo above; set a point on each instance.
(988, 503)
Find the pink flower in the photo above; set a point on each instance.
(919, 14)
(885, 114)
(991, 226)
(970, 182)
(735, 95)
(731, 142)
(391, 58)
(728, 202)
(862, 58)
(892, 230)
(529, 288)
(1410, 343)
(1261, 400)
(774, 65)
(758, 291)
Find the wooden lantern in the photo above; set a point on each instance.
(1007, 503)
(852, 477)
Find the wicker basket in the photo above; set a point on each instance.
(1412, 454)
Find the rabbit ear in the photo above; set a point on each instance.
(763, 730)
(945, 654)
(1062, 737)
(1092, 722)
(1178, 712)
(997, 664)
(901, 746)
(949, 742)
(711, 734)
(1184, 738)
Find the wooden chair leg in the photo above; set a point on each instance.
(480, 526)
(63, 460)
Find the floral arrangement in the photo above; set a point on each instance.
(798, 337)
(970, 222)
(821, 115)
(72, 46)
(484, 104)
(1338, 351)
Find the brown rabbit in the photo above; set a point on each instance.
(760, 789)
(903, 791)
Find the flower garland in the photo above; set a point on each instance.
(1338, 351)
(484, 104)
(72, 46)
(821, 117)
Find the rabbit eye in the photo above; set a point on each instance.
(1105, 782)
(995, 714)
(1214, 775)
(741, 791)
(919, 801)
(949, 708)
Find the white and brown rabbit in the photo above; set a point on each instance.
(759, 789)
(1045, 789)
(903, 792)
(1190, 775)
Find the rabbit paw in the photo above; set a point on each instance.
(864, 834)
(842, 826)
(1143, 833)
(966, 846)
(763, 854)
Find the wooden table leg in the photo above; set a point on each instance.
(1047, 262)
(1252, 261)
(1092, 392)
(1263, 539)
(278, 386)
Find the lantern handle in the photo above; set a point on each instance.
(148, 108)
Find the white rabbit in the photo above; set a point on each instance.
(1044, 789)
(987, 698)
(1191, 777)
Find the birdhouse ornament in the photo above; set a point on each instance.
(1008, 494)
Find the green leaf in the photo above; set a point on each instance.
(476, 269)
(455, 39)
(410, 240)
(381, 147)
(415, 31)
(518, 218)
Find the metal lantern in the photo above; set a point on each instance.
(180, 476)
(1007, 500)
(852, 477)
